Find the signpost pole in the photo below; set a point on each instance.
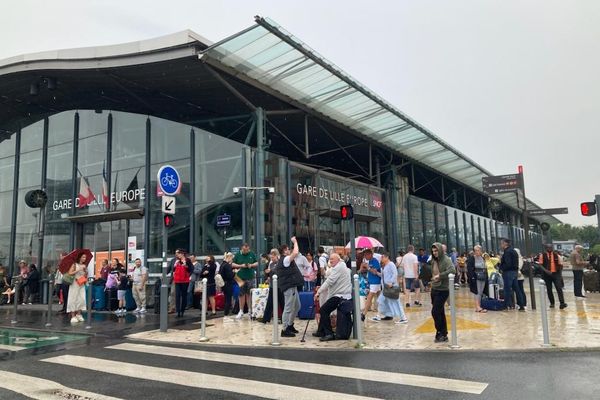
(163, 285)
(353, 265)
(598, 209)
(527, 249)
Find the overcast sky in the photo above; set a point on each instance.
(507, 82)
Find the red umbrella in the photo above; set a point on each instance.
(71, 258)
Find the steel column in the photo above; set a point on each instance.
(15, 199)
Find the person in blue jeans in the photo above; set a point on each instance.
(509, 266)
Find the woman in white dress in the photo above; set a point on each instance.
(76, 300)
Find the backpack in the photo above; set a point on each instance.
(425, 273)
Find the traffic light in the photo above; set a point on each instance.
(588, 208)
(168, 220)
(346, 212)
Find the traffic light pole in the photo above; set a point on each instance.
(164, 287)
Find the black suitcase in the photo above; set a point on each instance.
(591, 282)
(344, 325)
(112, 302)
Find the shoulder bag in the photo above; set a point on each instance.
(390, 292)
(68, 279)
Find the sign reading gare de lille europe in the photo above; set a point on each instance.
(125, 196)
(340, 197)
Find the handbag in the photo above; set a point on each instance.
(219, 281)
(198, 287)
(68, 279)
(481, 275)
(390, 292)
(81, 280)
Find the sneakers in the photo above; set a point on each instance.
(137, 310)
(401, 321)
(239, 315)
(441, 338)
(79, 317)
(74, 320)
(376, 318)
(287, 333)
(418, 304)
(143, 310)
(291, 328)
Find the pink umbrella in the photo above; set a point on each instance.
(365, 242)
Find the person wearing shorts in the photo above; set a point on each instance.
(245, 261)
(373, 278)
(122, 291)
(410, 263)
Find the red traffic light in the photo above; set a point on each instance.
(588, 208)
(346, 212)
(168, 220)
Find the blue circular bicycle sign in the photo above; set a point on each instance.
(169, 181)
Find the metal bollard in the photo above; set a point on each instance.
(17, 282)
(164, 295)
(544, 314)
(357, 322)
(50, 296)
(275, 317)
(454, 336)
(89, 304)
(203, 337)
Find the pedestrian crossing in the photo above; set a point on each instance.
(169, 372)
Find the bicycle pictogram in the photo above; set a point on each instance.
(169, 180)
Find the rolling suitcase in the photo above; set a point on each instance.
(344, 325)
(259, 302)
(307, 303)
(129, 301)
(98, 298)
(492, 304)
(591, 281)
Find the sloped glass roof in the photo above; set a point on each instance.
(270, 55)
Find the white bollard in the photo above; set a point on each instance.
(15, 298)
(275, 316)
(89, 304)
(203, 337)
(454, 336)
(357, 313)
(544, 310)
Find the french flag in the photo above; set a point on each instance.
(86, 196)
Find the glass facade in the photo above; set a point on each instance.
(118, 155)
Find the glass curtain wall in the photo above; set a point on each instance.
(59, 178)
(30, 178)
(7, 168)
(218, 169)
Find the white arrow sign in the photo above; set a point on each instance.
(168, 205)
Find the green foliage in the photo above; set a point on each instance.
(595, 250)
(582, 234)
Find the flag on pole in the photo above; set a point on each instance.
(86, 196)
(105, 199)
(133, 187)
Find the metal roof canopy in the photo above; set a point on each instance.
(267, 54)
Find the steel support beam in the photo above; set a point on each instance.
(230, 87)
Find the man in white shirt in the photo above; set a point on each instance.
(140, 277)
(339, 287)
(410, 263)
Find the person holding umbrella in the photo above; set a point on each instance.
(76, 300)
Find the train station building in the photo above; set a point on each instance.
(261, 128)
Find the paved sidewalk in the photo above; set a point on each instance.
(578, 326)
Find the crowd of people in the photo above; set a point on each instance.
(387, 286)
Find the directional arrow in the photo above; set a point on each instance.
(168, 205)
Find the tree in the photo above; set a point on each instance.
(588, 234)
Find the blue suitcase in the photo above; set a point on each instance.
(492, 304)
(98, 298)
(129, 301)
(307, 303)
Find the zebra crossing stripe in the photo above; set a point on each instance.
(200, 380)
(421, 381)
(43, 389)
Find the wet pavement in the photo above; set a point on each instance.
(577, 326)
